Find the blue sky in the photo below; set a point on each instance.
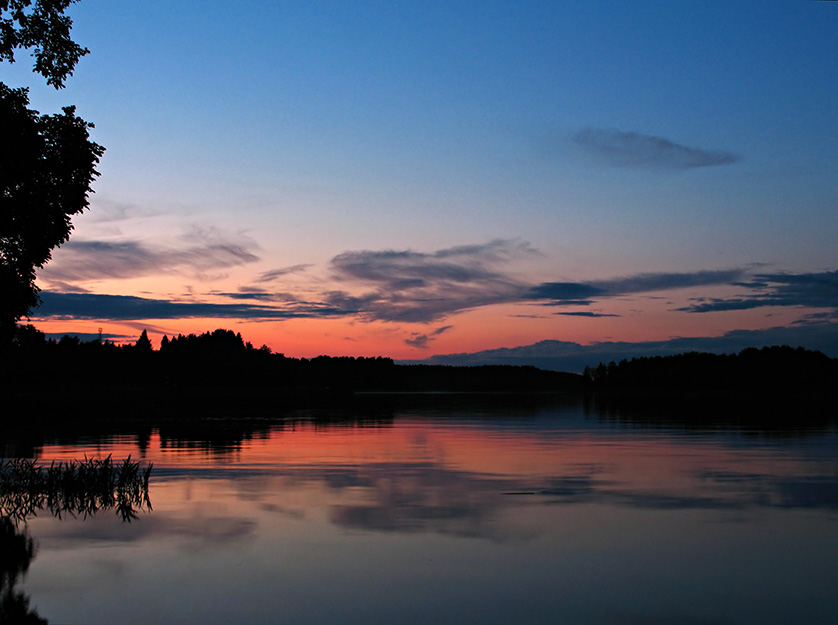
(464, 157)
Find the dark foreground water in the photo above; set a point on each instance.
(453, 515)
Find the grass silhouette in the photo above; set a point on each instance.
(78, 487)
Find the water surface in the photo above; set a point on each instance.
(453, 515)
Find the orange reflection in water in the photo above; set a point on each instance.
(404, 519)
(583, 462)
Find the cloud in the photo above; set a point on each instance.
(565, 292)
(395, 285)
(816, 318)
(422, 341)
(248, 293)
(583, 313)
(646, 282)
(389, 285)
(125, 307)
(408, 269)
(273, 274)
(632, 149)
(420, 287)
(812, 290)
(250, 289)
(96, 260)
(114, 211)
(580, 293)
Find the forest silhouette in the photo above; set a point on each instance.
(223, 360)
(778, 370)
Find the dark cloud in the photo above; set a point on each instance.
(578, 293)
(264, 297)
(647, 282)
(816, 318)
(583, 313)
(565, 292)
(259, 295)
(811, 290)
(632, 149)
(124, 307)
(95, 260)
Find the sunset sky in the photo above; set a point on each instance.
(419, 178)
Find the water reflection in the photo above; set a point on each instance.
(17, 550)
(75, 489)
(484, 516)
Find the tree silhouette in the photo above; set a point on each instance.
(47, 162)
(143, 343)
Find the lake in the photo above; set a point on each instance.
(475, 511)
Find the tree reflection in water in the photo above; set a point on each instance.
(75, 488)
(17, 550)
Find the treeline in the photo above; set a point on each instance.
(779, 370)
(222, 359)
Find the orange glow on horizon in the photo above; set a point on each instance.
(625, 319)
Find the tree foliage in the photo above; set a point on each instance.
(42, 27)
(47, 162)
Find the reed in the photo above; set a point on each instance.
(77, 487)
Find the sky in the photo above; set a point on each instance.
(413, 179)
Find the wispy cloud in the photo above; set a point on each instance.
(251, 293)
(811, 290)
(420, 287)
(400, 285)
(408, 269)
(576, 293)
(82, 260)
(390, 285)
(647, 282)
(632, 149)
(273, 274)
(114, 211)
(422, 341)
